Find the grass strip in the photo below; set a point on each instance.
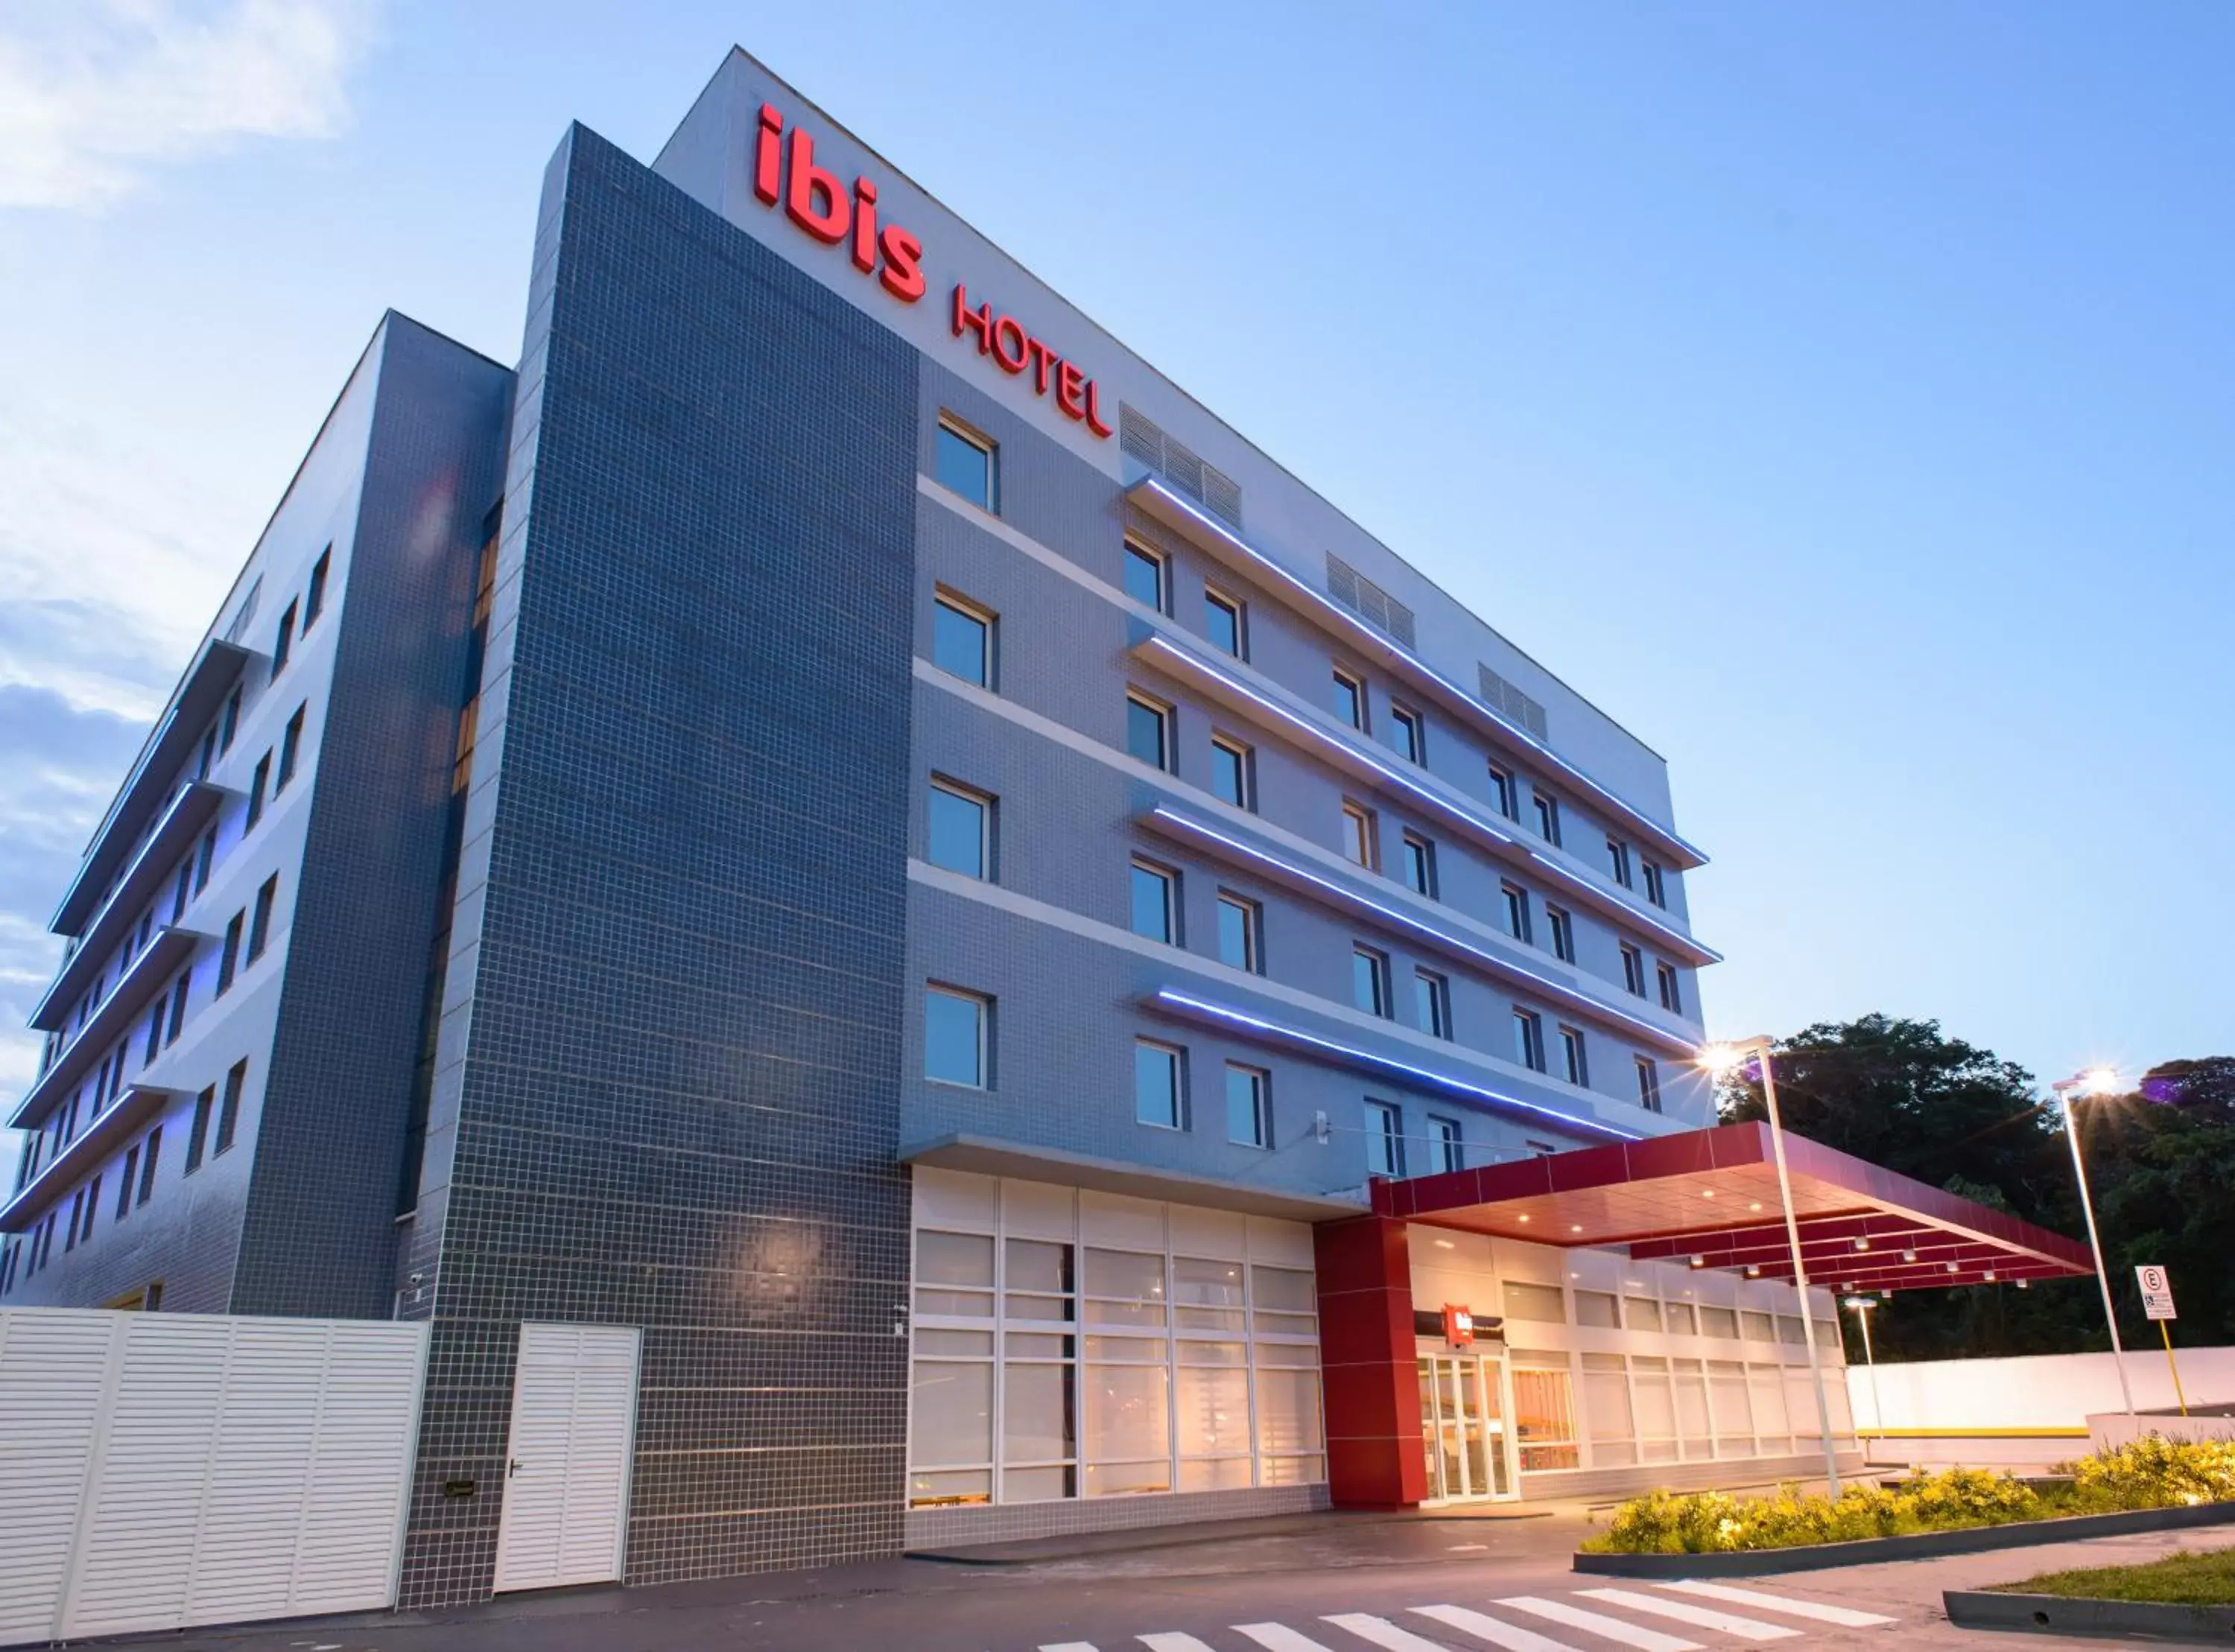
(2202, 1577)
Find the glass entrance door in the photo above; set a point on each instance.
(1463, 1427)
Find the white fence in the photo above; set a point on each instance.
(163, 1470)
(2030, 1410)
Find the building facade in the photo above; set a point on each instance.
(835, 817)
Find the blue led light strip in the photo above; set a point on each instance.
(1466, 818)
(1536, 746)
(1443, 938)
(1387, 1064)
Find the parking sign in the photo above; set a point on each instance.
(2157, 1292)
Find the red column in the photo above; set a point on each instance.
(1366, 1362)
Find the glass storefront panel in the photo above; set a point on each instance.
(1607, 1412)
(1544, 1411)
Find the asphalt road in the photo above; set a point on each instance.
(1412, 1587)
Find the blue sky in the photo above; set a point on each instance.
(1843, 398)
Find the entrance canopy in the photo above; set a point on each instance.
(1709, 1198)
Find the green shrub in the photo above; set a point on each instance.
(2152, 1473)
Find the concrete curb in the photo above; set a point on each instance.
(2103, 1619)
(1922, 1545)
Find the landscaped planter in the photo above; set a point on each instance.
(1922, 1545)
(2103, 1619)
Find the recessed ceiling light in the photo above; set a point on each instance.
(1699, 1261)
(2021, 1283)
(1753, 1271)
(1446, 1245)
(1862, 1243)
(1525, 1218)
(1755, 1206)
(1991, 1275)
(1952, 1268)
(1909, 1256)
(1707, 1192)
(1575, 1227)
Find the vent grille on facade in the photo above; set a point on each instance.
(1501, 696)
(1368, 600)
(1207, 485)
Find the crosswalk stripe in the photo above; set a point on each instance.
(1383, 1633)
(1747, 1628)
(1612, 1629)
(1511, 1637)
(1844, 1616)
(1278, 1637)
(1070, 1646)
(1168, 1641)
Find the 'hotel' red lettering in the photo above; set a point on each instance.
(1012, 348)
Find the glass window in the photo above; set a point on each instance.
(1563, 932)
(967, 466)
(1547, 818)
(259, 933)
(257, 782)
(1208, 1295)
(198, 1131)
(1129, 1438)
(1238, 923)
(1529, 1039)
(1156, 1084)
(1248, 1114)
(1544, 1411)
(1618, 860)
(1599, 1308)
(1515, 901)
(1349, 698)
(1718, 1321)
(952, 1415)
(1420, 865)
(1655, 890)
(1232, 772)
(1575, 1065)
(1290, 1441)
(1385, 1140)
(1432, 1002)
(1503, 795)
(228, 722)
(228, 1111)
(1408, 733)
(1037, 1280)
(1224, 617)
(1671, 998)
(1543, 1303)
(1155, 903)
(1148, 731)
(1449, 1144)
(960, 829)
(1369, 980)
(1037, 1424)
(1757, 1328)
(962, 641)
(291, 745)
(1642, 1312)
(1648, 1085)
(314, 599)
(1682, 1320)
(1633, 971)
(283, 646)
(1606, 1403)
(228, 959)
(1360, 837)
(955, 1274)
(954, 1042)
(1145, 576)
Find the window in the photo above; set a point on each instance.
(148, 1165)
(1516, 909)
(154, 1034)
(1432, 1002)
(182, 889)
(228, 723)
(1503, 793)
(1420, 865)
(1248, 1106)
(1618, 860)
(228, 1111)
(1408, 732)
(1574, 1066)
(1655, 890)
(1547, 818)
(208, 756)
(198, 1132)
(1385, 1140)
(966, 466)
(1664, 976)
(259, 926)
(1563, 932)
(1528, 1039)
(1148, 731)
(124, 1182)
(1360, 838)
(314, 599)
(1648, 1085)
(1450, 1146)
(1233, 772)
(962, 640)
(284, 645)
(1633, 971)
(1544, 1410)
(1240, 941)
(178, 1008)
(958, 829)
(256, 785)
(203, 859)
(1226, 620)
(954, 1042)
(291, 745)
(1350, 698)
(229, 959)
(1369, 980)
(1157, 1085)
(1146, 576)
(1156, 902)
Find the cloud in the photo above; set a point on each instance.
(95, 94)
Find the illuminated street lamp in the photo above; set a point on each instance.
(1721, 1059)
(2096, 1081)
(1862, 1305)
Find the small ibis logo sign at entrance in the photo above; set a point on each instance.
(2157, 1292)
(1458, 1326)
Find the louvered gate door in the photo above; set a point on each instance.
(573, 1432)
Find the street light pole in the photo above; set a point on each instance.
(1799, 1267)
(1862, 1305)
(2098, 1082)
